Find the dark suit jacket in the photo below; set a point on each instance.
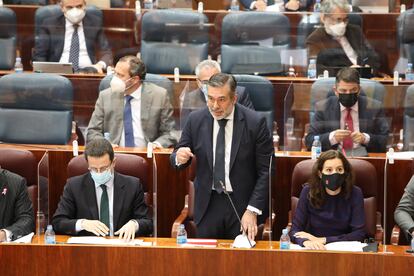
(79, 202)
(371, 121)
(16, 210)
(246, 4)
(249, 158)
(51, 39)
(331, 56)
(195, 100)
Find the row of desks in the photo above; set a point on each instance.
(164, 257)
(172, 184)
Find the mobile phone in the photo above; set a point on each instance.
(409, 250)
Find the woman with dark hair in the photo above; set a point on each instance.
(330, 207)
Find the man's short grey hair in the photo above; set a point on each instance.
(328, 6)
(208, 63)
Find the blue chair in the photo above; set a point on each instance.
(35, 108)
(261, 94)
(173, 38)
(408, 121)
(405, 30)
(8, 37)
(251, 42)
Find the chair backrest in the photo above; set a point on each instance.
(408, 122)
(405, 31)
(8, 37)
(30, 2)
(365, 178)
(251, 42)
(261, 94)
(35, 108)
(173, 38)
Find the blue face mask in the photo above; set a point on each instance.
(102, 177)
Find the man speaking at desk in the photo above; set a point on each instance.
(233, 146)
(102, 201)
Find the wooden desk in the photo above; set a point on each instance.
(166, 258)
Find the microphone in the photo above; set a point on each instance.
(270, 199)
(235, 211)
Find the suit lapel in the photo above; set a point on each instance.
(89, 34)
(207, 127)
(90, 196)
(238, 128)
(146, 101)
(362, 114)
(119, 193)
(335, 113)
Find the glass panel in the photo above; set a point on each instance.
(43, 216)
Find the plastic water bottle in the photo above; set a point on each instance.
(148, 4)
(234, 6)
(181, 235)
(107, 136)
(312, 69)
(50, 237)
(409, 74)
(284, 240)
(317, 6)
(18, 66)
(316, 147)
(412, 243)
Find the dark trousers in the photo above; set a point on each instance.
(219, 221)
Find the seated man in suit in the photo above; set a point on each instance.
(345, 42)
(16, 210)
(132, 111)
(74, 36)
(102, 202)
(288, 5)
(349, 120)
(404, 213)
(197, 99)
(233, 147)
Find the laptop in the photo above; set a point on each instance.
(52, 67)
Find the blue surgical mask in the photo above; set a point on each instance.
(102, 177)
(204, 89)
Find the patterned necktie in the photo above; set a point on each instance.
(128, 128)
(219, 169)
(74, 49)
(349, 125)
(104, 210)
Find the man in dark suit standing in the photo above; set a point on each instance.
(16, 210)
(349, 120)
(233, 146)
(102, 202)
(73, 36)
(197, 99)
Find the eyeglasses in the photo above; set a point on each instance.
(100, 170)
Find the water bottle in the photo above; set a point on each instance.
(148, 4)
(181, 235)
(234, 6)
(50, 237)
(316, 147)
(317, 6)
(107, 136)
(409, 75)
(284, 240)
(312, 69)
(18, 66)
(412, 243)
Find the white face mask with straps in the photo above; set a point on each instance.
(336, 29)
(75, 15)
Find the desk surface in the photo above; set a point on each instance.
(166, 258)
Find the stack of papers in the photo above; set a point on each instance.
(25, 239)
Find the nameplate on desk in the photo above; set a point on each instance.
(102, 241)
(201, 243)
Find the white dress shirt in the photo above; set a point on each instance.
(139, 138)
(349, 51)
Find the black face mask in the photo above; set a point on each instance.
(332, 181)
(348, 100)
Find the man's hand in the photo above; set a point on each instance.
(305, 235)
(341, 134)
(98, 66)
(292, 5)
(95, 226)
(2, 236)
(316, 245)
(260, 5)
(249, 222)
(358, 137)
(183, 155)
(127, 232)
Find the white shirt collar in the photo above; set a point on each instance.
(69, 24)
(137, 93)
(353, 108)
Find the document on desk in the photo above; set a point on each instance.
(24, 239)
(102, 241)
(349, 246)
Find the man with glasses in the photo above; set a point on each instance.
(197, 99)
(339, 44)
(349, 120)
(233, 148)
(102, 202)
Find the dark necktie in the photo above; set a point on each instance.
(74, 49)
(219, 169)
(128, 128)
(104, 210)
(349, 125)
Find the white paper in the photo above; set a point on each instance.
(296, 247)
(25, 239)
(403, 155)
(350, 246)
(102, 241)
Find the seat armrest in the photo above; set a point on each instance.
(379, 231)
(180, 219)
(395, 235)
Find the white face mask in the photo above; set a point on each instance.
(118, 85)
(336, 29)
(75, 15)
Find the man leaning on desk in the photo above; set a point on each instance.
(102, 202)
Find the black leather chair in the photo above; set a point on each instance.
(173, 38)
(408, 122)
(251, 42)
(261, 94)
(405, 30)
(35, 108)
(8, 38)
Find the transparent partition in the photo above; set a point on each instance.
(43, 215)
